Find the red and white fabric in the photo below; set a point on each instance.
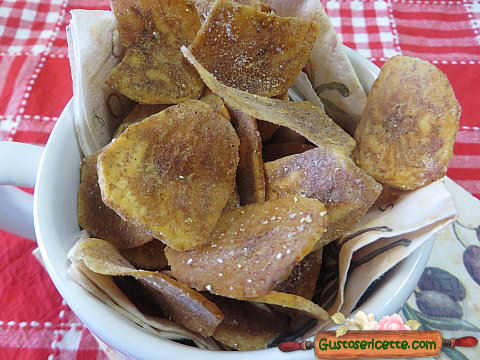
(35, 85)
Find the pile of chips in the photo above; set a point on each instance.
(206, 215)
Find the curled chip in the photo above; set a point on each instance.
(215, 102)
(305, 118)
(329, 175)
(250, 173)
(182, 304)
(97, 218)
(172, 173)
(302, 306)
(252, 248)
(138, 113)
(406, 132)
(149, 256)
(153, 70)
(273, 152)
(303, 278)
(251, 50)
(246, 325)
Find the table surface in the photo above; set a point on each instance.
(35, 85)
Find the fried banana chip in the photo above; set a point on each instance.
(204, 6)
(149, 256)
(253, 51)
(153, 70)
(303, 117)
(246, 325)
(273, 152)
(172, 173)
(302, 306)
(215, 102)
(303, 278)
(138, 113)
(252, 248)
(329, 175)
(406, 132)
(182, 304)
(233, 201)
(250, 173)
(97, 218)
(266, 129)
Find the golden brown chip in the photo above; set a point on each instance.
(303, 117)
(215, 102)
(204, 6)
(286, 135)
(266, 129)
(303, 278)
(406, 132)
(302, 306)
(97, 218)
(153, 70)
(251, 50)
(149, 256)
(250, 173)
(329, 175)
(138, 113)
(233, 201)
(252, 248)
(273, 152)
(182, 304)
(246, 325)
(172, 173)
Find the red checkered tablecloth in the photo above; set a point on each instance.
(35, 85)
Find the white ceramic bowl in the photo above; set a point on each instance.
(55, 215)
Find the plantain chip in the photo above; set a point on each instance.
(406, 133)
(204, 6)
(153, 70)
(252, 248)
(250, 172)
(303, 278)
(149, 256)
(302, 306)
(172, 173)
(182, 304)
(252, 50)
(273, 152)
(138, 113)
(97, 218)
(329, 175)
(247, 325)
(303, 117)
(215, 102)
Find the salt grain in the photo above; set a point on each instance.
(189, 261)
(279, 256)
(265, 222)
(323, 213)
(208, 287)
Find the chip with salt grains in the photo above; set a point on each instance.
(172, 173)
(250, 172)
(97, 218)
(215, 102)
(305, 118)
(247, 325)
(182, 304)
(406, 133)
(252, 248)
(273, 152)
(153, 70)
(149, 256)
(329, 175)
(251, 50)
(291, 302)
(138, 113)
(204, 6)
(303, 278)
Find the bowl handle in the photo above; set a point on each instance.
(18, 166)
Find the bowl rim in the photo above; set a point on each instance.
(387, 298)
